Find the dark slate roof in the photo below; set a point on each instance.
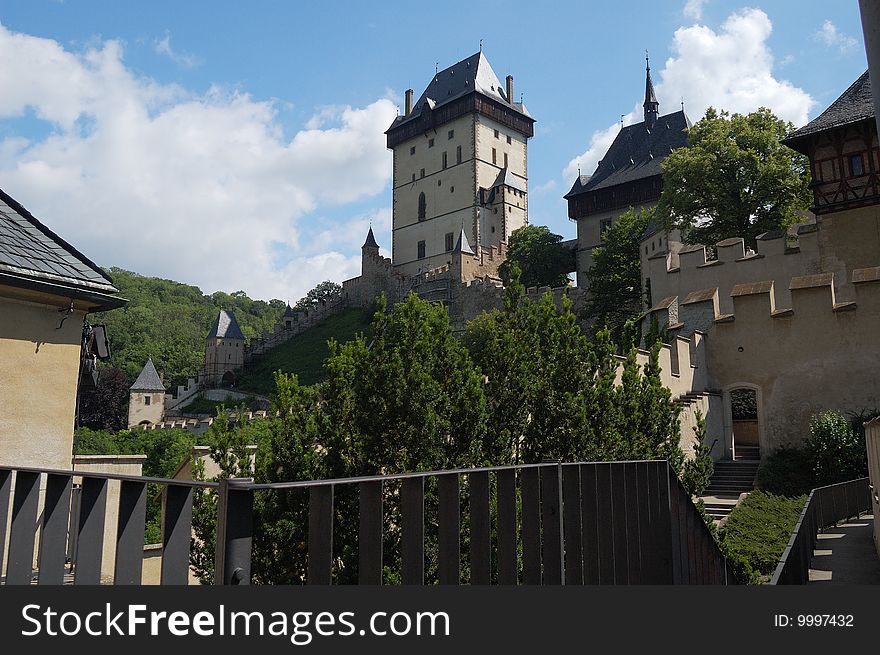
(467, 76)
(149, 379)
(371, 240)
(289, 311)
(855, 104)
(34, 255)
(225, 327)
(636, 153)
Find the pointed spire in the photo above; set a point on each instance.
(149, 379)
(371, 241)
(652, 107)
(462, 245)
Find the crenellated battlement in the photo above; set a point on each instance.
(684, 269)
(811, 298)
(302, 321)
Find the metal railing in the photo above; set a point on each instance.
(549, 523)
(69, 526)
(825, 507)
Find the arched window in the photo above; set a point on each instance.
(422, 206)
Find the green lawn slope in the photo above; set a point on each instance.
(305, 353)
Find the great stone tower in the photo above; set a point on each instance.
(460, 166)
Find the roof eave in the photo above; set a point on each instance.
(95, 300)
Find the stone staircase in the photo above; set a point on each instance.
(730, 480)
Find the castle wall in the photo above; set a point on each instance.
(302, 321)
(819, 355)
(678, 274)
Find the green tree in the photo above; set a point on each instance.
(615, 279)
(326, 291)
(105, 407)
(540, 255)
(735, 178)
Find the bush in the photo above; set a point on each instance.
(836, 451)
(758, 529)
(786, 472)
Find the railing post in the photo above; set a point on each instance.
(551, 520)
(235, 520)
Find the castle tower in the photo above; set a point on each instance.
(146, 397)
(224, 350)
(289, 317)
(629, 176)
(460, 160)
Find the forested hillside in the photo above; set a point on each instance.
(168, 321)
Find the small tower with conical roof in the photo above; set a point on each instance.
(224, 350)
(146, 397)
(652, 107)
(289, 317)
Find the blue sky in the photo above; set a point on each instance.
(240, 146)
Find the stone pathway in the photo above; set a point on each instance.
(845, 554)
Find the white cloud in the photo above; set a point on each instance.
(731, 68)
(548, 186)
(831, 36)
(694, 9)
(202, 188)
(163, 47)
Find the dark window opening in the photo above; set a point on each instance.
(449, 244)
(423, 206)
(421, 249)
(451, 134)
(430, 143)
(857, 165)
(422, 173)
(444, 160)
(458, 155)
(412, 150)
(508, 140)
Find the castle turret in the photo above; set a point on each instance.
(652, 107)
(146, 403)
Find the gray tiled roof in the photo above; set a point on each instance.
(636, 153)
(30, 250)
(462, 245)
(225, 327)
(467, 76)
(149, 379)
(855, 104)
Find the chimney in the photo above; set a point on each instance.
(510, 89)
(408, 106)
